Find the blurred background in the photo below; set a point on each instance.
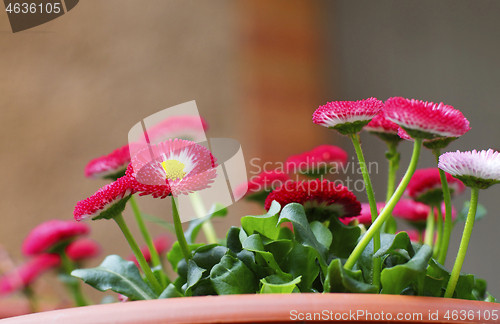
(71, 89)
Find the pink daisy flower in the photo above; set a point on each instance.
(365, 217)
(317, 161)
(107, 202)
(111, 166)
(261, 185)
(347, 117)
(161, 243)
(476, 169)
(383, 128)
(411, 211)
(321, 199)
(426, 119)
(178, 166)
(28, 272)
(49, 233)
(186, 127)
(82, 249)
(425, 186)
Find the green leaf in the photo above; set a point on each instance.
(489, 298)
(391, 243)
(217, 210)
(388, 244)
(479, 289)
(233, 239)
(276, 285)
(279, 249)
(194, 275)
(344, 237)
(209, 255)
(295, 214)
(117, 275)
(254, 243)
(170, 292)
(301, 262)
(156, 220)
(394, 280)
(322, 233)
(462, 215)
(175, 254)
(264, 224)
(341, 280)
(465, 282)
(231, 276)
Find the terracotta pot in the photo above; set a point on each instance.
(273, 309)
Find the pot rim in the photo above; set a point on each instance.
(267, 308)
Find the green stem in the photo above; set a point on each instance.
(32, 300)
(386, 212)
(393, 157)
(439, 239)
(74, 285)
(179, 232)
(138, 254)
(373, 206)
(207, 226)
(448, 226)
(429, 229)
(459, 261)
(155, 257)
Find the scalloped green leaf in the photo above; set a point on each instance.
(276, 285)
(263, 224)
(117, 275)
(231, 276)
(341, 280)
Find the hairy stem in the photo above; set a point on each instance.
(138, 254)
(179, 232)
(155, 257)
(448, 226)
(207, 227)
(74, 285)
(373, 206)
(429, 229)
(386, 212)
(459, 261)
(439, 239)
(393, 158)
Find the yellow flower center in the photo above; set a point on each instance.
(174, 169)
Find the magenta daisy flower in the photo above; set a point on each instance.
(347, 117)
(426, 119)
(412, 211)
(111, 166)
(161, 243)
(261, 185)
(50, 233)
(178, 166)
(82, 249)
(318, 161)
(28, 272)
(191, 128)
(383, 128)
(475, 169)
(365, 217)
(425, 186)
(107, 202)
(321, 199)
(436, 143)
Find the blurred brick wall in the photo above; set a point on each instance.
(71, 89)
